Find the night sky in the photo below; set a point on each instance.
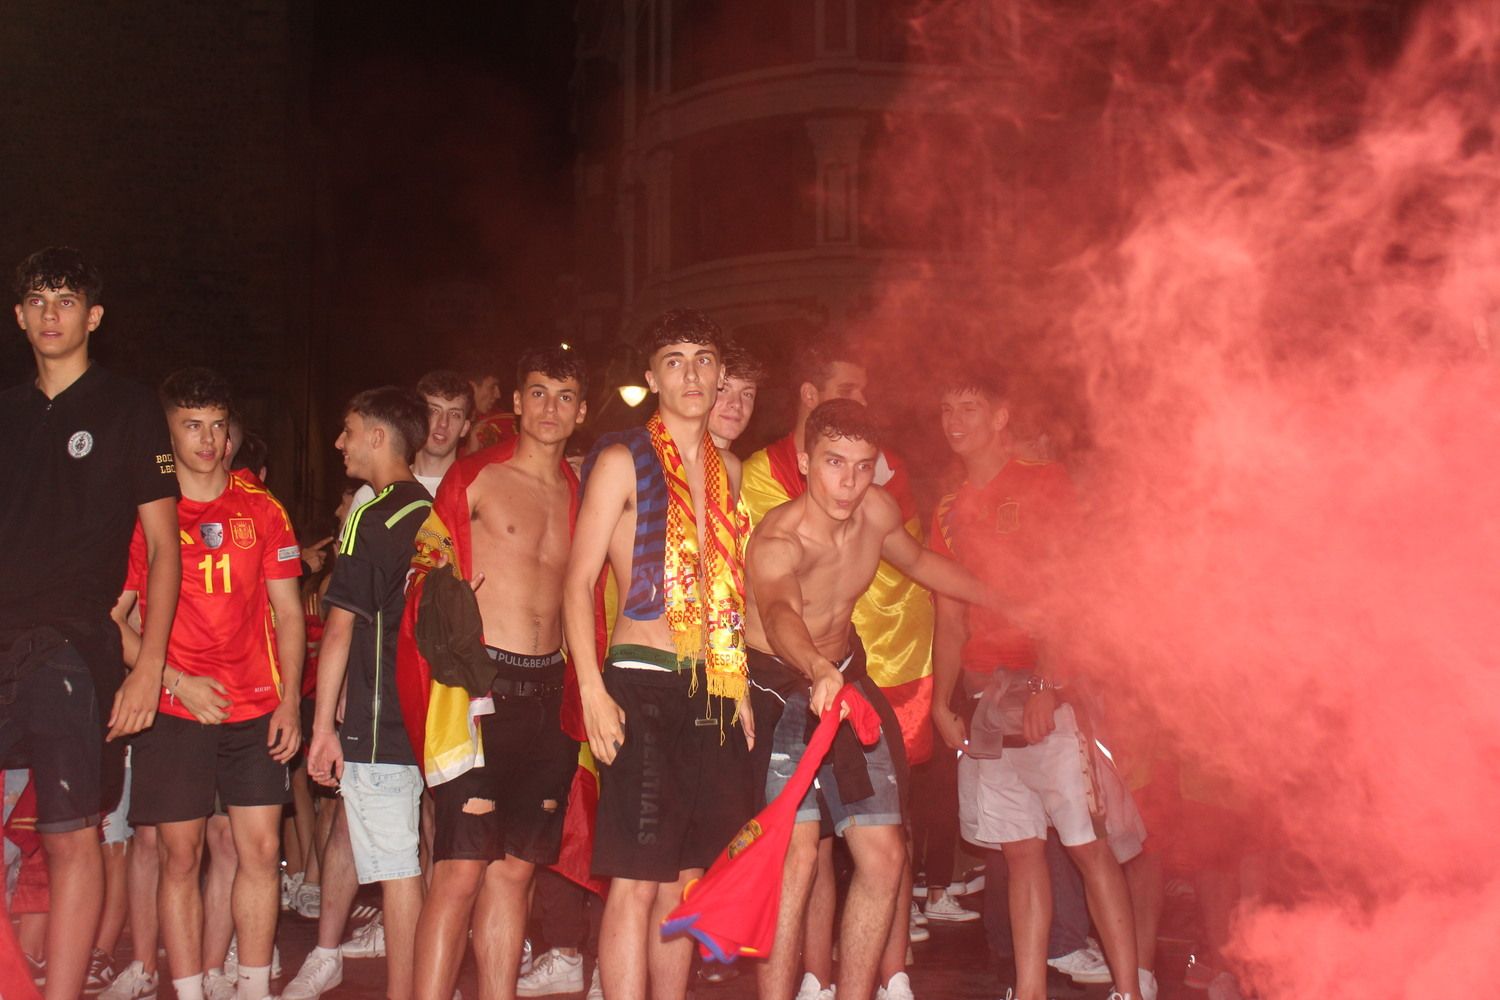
(314, 198)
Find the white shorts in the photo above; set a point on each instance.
(383, 807)
(1017, 795)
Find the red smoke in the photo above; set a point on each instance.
(1247, 253)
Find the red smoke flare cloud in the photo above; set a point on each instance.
(1246, 257)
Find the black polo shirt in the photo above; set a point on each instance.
(73, 470)
(369, 581)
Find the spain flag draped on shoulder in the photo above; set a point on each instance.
(894, 618)
(439, 719)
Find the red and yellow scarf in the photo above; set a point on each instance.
(704, 581)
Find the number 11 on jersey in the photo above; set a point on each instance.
(208, 565)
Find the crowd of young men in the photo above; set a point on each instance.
(471, 679)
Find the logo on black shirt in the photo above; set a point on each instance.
(80, 444)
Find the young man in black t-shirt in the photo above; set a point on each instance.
(370, 758)
(87, 453)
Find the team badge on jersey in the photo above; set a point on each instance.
(242, 530)
(1008, 517)
(80, 444)
(212, 534)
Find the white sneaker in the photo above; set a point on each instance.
(1147, 979)
(367, 942)
(289, 886)
(899, 988)
(320, 973)
(948, 909)
(811, 989)
(916, 930)
(917, 916)
(232, 960)
(217, 986)
(308, 901)
(553, 972)
(596, 986)
(132, 983)
(1082, 966)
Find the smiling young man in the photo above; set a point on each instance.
(1004, 524)
(810, 560)
(503, 521)
(735, 403)
(89, 454)
(660, 505)
(229, 715)
(370, 758)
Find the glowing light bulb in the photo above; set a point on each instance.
(633, 395)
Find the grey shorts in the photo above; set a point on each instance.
(883, 808)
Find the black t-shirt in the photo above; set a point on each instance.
(73, 470)
(369, 581)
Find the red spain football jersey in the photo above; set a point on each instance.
(1004, 533)
(224, 629)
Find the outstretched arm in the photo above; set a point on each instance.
(771, 568)
(931, 570)
(611, 486)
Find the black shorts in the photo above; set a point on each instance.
(529, 763)
(179, 767)
(679, 788)
(50, 722)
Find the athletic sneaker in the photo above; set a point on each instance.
(132, 983)
(596, 987)
(552, 972)
(917, 916)
(1198, 974)
(101, 973)
(308, 900)
(916, 929)
(232, 960)
(368, 941)
(948, 909)
(321, 972)
(1082, 966)
(812, 990)
(899, 988)
(289, 886)
(1224, 987)
(217, 986)
(1147, 979)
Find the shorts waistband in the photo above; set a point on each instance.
(664, 659)
(524, 661)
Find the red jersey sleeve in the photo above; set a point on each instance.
(135, 570)
(281, 559)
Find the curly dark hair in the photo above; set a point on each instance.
(401, 410)
(196, 389)
(841, 418)
(681, 326)
(448, 385)
(59, 267)
(555, 363)
(741, 364)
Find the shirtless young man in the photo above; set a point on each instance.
(674, 785)
(810, 560)
(496, 822)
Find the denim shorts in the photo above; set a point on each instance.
(383, 806)
(882, 808)
(116, 828)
